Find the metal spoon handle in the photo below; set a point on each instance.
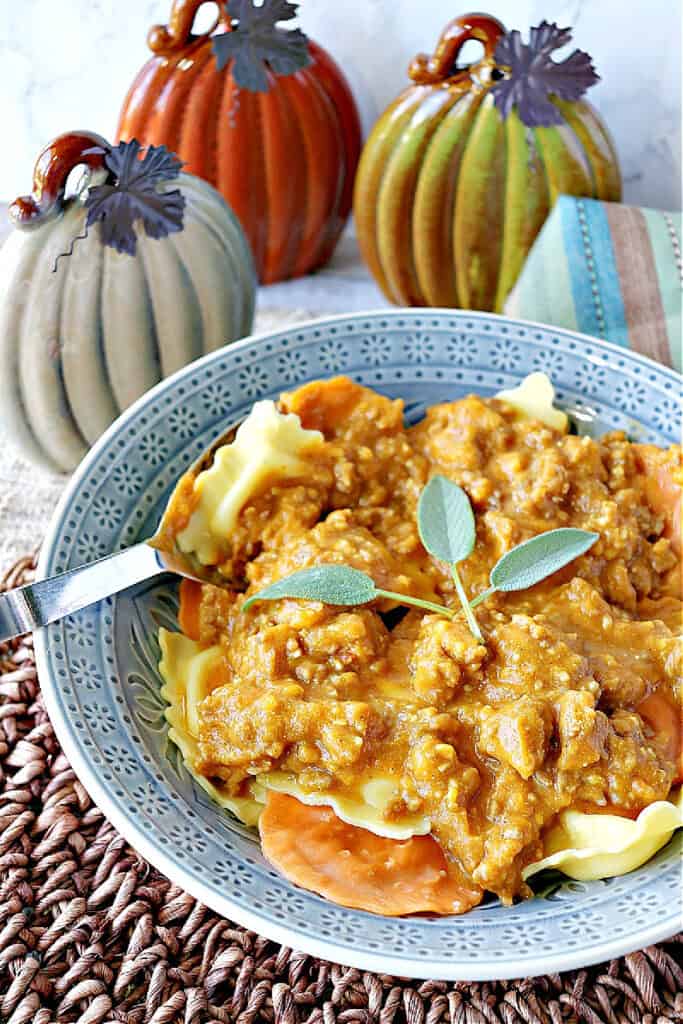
(27, 608)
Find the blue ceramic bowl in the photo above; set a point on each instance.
(98, 669)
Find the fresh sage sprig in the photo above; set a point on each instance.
(448, 531)
(445, 522)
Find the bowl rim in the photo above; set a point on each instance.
(484, 970)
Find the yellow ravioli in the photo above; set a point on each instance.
(591, 846)
(189, 673)
(534, 398)
(268, 446)
(378, 794)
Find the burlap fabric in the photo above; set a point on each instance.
(91, 933)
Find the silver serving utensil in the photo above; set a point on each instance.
(25, 609)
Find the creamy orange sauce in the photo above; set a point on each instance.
(490, 741)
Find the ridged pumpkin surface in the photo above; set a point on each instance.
(284, 159)
(449, 195)
(80, 344)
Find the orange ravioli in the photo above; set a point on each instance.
(660, 469)
(323, 404)
(664, 716)
(190, 605)
(312, 847)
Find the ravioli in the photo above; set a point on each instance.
(592, 846)
(534, 398)
(190, 673)
(268, 446)
(369, 813)
(356, 868)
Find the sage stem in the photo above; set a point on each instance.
(482, 597)
(440, 609)
(466, 607)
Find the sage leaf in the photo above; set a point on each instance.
(333, 584)
(445, 520)
(534, 559)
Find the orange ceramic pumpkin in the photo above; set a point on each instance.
(284, 158)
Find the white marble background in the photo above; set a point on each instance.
(67, 64)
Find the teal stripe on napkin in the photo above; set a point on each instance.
(595, 282)
(608, 270)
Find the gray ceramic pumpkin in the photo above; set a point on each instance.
(86, 329)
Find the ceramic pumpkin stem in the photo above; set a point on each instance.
(177, 34)
(440, 67)
(52, 168)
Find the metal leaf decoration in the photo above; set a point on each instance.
(533, 76)
(256, 43)
(132, 195)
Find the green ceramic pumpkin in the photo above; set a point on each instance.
(460, 172)
(92, 314)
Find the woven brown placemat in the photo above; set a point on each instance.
(91, 933)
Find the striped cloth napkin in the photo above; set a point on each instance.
(609, 270)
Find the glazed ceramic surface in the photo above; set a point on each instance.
(99, 675)
(83, 335)
(450, 196)
(283, 159)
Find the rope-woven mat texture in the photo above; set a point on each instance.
(91, 933)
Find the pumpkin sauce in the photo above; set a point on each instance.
(571, 702)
